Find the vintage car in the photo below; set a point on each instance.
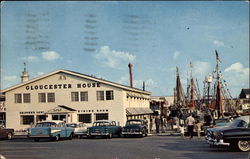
(104, 128)
(136, 127)
(235, 135)
(80, 129)
(50, 129)
(222, 122)
(6, 133)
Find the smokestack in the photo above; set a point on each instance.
(143, 86)
(130, 74)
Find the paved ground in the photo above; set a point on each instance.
(154, 147)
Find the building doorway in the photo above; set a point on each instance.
(61, 117)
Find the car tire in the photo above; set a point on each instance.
(9, 136)
(36, 139)
(243, 145)
(57, 137)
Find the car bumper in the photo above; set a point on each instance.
(215, 142)
(99, 134)
(131, 133)
(39, 136)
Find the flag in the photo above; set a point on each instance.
(217, 56)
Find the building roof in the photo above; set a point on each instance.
(102, 81)
(138, 111)
(244, 92)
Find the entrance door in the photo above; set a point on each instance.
(61, 117)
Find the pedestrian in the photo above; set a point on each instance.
(181, 128)
(153, 125)
(190, 125)
(157, 124)
(198, 128)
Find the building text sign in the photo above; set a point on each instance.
(62, 86)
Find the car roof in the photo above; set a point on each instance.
(245, 118)
(75, 123)
(52, 121)
(135, 120)
(101, 121)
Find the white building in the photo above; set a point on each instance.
(71, 96)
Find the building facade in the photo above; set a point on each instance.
(72, 97)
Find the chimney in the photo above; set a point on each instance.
(130, 74)
(143, 86)
(25, 74)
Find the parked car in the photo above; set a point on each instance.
(136, 127)
(104, 128)
(80, 129)
(222, 122)
(6, 133)
(50, 129)
(235, 135)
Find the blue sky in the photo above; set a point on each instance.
(101, 38)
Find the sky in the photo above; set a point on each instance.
(101, 38)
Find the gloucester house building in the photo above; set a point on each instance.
(72, 97)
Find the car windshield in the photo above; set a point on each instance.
(46, 124)
(239, 123)
(101, 124)
(134, 122)
(219, 121)
(72, 125)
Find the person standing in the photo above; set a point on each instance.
(182, 130)
(157, 124)
(190, 125)
(198, 128)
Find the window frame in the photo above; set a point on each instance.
(111, 96)
(40, 99)
(74, 97)
(26, 120)
(84, 96)
(18, 98)
(52, 98)
(90, 118)
(100, 97)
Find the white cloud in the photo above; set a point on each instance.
(149, 83)
(10, 78)
(237, 75)
(176, 54)
(50, 55)
(201, 68)
(30, 58)
(113, 58)
(218, 43)
(40, 73)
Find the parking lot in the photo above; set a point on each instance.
(153, 147)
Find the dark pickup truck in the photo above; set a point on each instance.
(235, 135)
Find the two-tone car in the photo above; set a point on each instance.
(135, 127)
(104, 128)
(50, 129)
(6, 133)
(236, 135)
(80, 129)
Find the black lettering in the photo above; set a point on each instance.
(98, 84)
(45, 86)
(50, 86)
(69, 86)
(36, 86)
(78, 85)
(41, 86)
(64, 86)
(31, 87)
(83, 85)
(27, 87)
(89, 84)
(55, 86)
(93, 84)
(59, 86)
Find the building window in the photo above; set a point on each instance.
(51, 97)
(102, 116)
(27, 119)
(109, 95)
(59, 117)
(18, 98)
(84, 96)
(100, 95)
(85, 118)
(26, 98)
(40, 118)
(74, 96)
(41, 97)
